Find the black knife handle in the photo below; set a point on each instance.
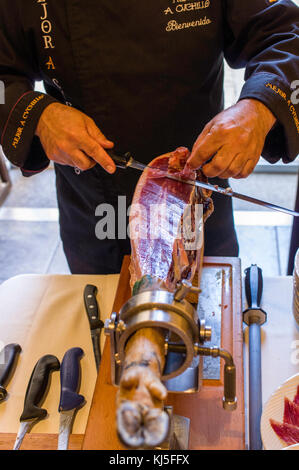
(37, 388)
(121, 161)
(91, 306)
(70, 380)
(253, 286)
(10, 353)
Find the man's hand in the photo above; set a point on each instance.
(69, 137)
(235, 139)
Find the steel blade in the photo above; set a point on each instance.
(95, 337)
(137, 165)
(269, 205)
(224, 191)
(65, 428)
(25, 427)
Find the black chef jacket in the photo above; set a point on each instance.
(150, 73)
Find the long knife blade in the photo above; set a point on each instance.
(127, 161)
(224, 191)
(65, 427)
(25, 427)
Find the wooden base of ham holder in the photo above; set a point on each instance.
(211, 426)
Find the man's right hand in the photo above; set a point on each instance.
(69, 137)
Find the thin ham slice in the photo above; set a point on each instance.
(291, 412)
(287, 432)
(165, 228)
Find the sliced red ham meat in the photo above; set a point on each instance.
(287, 432)
(291, 412)
(166, 225)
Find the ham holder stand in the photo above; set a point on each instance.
(185, 336)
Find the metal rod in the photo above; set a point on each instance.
(255, 387)
(229, 399)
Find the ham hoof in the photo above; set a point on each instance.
(141, 426)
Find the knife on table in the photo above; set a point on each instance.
(9, 354)
(35, 394)
(70, 400)
(127, 161)
(95, 323)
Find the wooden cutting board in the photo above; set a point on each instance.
(211, 427)
(38, 441)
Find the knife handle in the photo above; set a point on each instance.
(70, 380)
(37, 388)
(10, 353)
(121, 161)
(91, 307)
(253, 286)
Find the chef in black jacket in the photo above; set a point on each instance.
(146, 76)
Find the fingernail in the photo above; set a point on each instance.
(181, 150)
(110, 169)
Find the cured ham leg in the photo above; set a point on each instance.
(141, 420)
(164, 251)
(165, 222)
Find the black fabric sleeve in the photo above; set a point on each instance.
(262, 36)
(22, 106)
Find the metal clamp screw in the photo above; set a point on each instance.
(183, 289)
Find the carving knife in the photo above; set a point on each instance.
(127, 161)
(35, 394)
(70, 400)
(9, 357)
(96, 324)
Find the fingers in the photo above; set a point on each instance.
(207, 145)
(95, 151)
(247, 169)
(238, 129)
(226, 164)
(70, 137)
(219, 164)
(81, 161)
(235, 167)
(95, 144)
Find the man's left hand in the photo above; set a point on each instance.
(235, 139)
